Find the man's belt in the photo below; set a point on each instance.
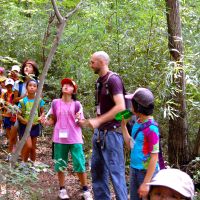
(116, 129)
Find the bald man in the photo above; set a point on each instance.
(107, 161)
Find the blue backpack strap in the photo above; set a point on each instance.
(20, 88)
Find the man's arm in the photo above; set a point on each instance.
(108, 116)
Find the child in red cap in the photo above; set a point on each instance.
(67, 137)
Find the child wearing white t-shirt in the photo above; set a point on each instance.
(67, 136)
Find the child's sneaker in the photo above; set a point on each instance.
(87, 195)
(63, 194)
(2, 132)
(8, 157)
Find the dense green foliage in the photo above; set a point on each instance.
(134, 33)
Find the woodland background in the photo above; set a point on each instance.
(133, 32)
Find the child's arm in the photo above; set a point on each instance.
(41, 111)
(144, 188)
(16, 98)
(22, 120)
(126, 135)
(20, 114)
(47, 122)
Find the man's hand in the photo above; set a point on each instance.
(84, 123)
(94, 122)
(90, 123)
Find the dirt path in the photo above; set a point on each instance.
(48, 182)
(47, 185)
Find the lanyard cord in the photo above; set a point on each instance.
(67, 111)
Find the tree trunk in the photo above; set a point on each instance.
(60, 29)
(196, 151)
(178, 150)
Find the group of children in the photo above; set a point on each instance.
(65, 114)
(67, 135)
(17, 92)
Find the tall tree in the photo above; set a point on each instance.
(178, 150)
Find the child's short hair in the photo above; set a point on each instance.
(141, 109)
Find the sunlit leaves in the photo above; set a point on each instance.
(133, 32)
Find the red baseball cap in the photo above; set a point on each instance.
(69, 81)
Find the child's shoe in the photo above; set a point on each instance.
(63, 194)
(87, 195)
(8, 157)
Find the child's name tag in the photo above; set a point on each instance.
(63, 134)
(98, 110)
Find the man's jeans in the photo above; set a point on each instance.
(108, 163)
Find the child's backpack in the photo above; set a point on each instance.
(20, 88)
(13, 117)
(5, 96)
(160, 155)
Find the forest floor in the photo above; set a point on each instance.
(46, 186)
(43, 184)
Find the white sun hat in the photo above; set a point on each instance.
(176, 180)
(9, 81)
(15, 68)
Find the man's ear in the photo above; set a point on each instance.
(101, 62)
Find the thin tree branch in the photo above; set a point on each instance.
(73, 11)
(46, 36)
(58, 15)
(48, 62)
(39, 92)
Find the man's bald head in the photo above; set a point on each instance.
(103, 56)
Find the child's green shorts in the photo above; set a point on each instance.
(61, 152)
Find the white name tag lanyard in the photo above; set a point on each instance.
(63, 131)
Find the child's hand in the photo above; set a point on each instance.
(42, 118)
(143, 190)
(45, 121)
(124, 122)
(77, 117)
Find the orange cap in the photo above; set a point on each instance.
(69, 81)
